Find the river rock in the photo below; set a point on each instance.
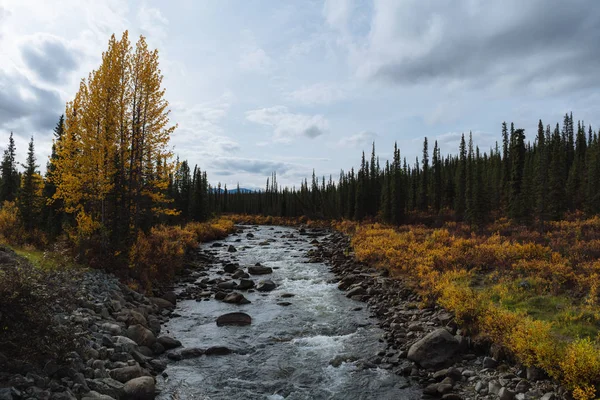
(227, 285)
(168, 342)
(437, 349)
(218, 351)
(126, 343)
(125, 374)
(142, 336)
(240, 274)
(356, 291)
(259, 270)
(245, 284)
(230, 268)
(162, 303)
(236, 298)
(266, 286)
(235, 319)
(92, 395)
(171, 297)
(231, 249)
(141, 388)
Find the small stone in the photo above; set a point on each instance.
(506, 394)
(489, 362)
(549, 396)
(494, 387)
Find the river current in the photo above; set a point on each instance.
(289, 352)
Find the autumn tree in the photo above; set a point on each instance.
(112, 168)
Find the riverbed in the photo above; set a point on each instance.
(306, 340)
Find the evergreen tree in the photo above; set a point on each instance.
(30, 199)
(10, 176)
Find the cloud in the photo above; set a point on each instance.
(318, 94)
(360, 139)
(152, 23)
(249, 165)
(253, 58)
(25, 106)
(471, 43)
(199, 133)
(49, 57)
(288, 126)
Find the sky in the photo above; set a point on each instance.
(258, 86)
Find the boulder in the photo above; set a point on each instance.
(93, 395)
(142, 336)
(356, 291)
(259, 270)
(125, 374)
(168, 343)
(437, 349)
(162, 303)
(235, 319)
(171, 297)
(230, 268)
(236, 298)
(218, 351)
(266, 286)
(239, 274)
(245, 284)
(141, 388)
(188, 353)
(227, 285)
(126, 343)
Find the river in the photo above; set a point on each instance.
(287, 351)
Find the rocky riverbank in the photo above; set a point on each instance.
(117, 340)
(426, 344)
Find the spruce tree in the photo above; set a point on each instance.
(461, 180)
(10, 176)
(30, 198)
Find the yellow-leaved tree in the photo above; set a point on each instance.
(113, 161)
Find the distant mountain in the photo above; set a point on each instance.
(231, 191)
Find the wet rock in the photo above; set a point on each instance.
(436, 349)
(228, 285)
(141, 388)
(259, 270)
(239, 274)
(236, 298)
(220, 295)
(230, 268)
(249, 235)
(266, 286)
(168, 342)
(287, 295)
(193, 352)
(245, 284)
(218, 351)
(235, 319)
(142, 336)
(231, 249)
(284, 303)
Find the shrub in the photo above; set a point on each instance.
(29, 298)
(581, 368)
(11, 228)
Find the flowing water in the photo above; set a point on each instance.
(286, 352)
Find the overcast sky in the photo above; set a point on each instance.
(259, 85)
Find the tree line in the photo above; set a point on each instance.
(529, 181)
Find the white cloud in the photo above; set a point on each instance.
(288, 126)
(358, 140)
(253, 58)
(318, 93)
(152, 23)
